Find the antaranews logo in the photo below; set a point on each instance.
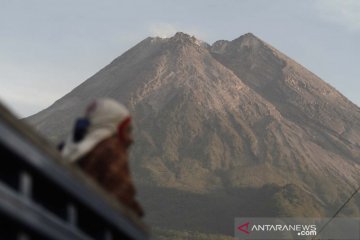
(297, 228)
(244, 228)
(300, 229)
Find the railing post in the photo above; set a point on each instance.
(25, 184)
(72, 215)
(23, 236)
(108, 235)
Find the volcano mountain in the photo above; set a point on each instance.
(232, 129)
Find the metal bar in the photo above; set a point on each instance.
(23, 236)
(108, 235)
(56, 172)
(71, 215)
(25, 184)
(27, 213)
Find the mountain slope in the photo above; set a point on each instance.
(221, 128)
(298, 94)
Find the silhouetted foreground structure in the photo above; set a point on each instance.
(42, 197)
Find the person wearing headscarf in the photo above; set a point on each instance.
(99, 144)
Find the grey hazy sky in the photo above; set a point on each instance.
(48, 47)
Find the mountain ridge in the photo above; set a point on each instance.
(235, 121)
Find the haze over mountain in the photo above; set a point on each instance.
(232, 129)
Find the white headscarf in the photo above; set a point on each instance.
(103, 116)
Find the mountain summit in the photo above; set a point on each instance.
(232, 129)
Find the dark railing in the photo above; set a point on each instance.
(43, 197)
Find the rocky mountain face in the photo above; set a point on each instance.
(232, 129)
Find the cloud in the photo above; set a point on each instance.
(29, 88)
(166, 30)
(163, 30)
(342, 12)
(25, 103)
